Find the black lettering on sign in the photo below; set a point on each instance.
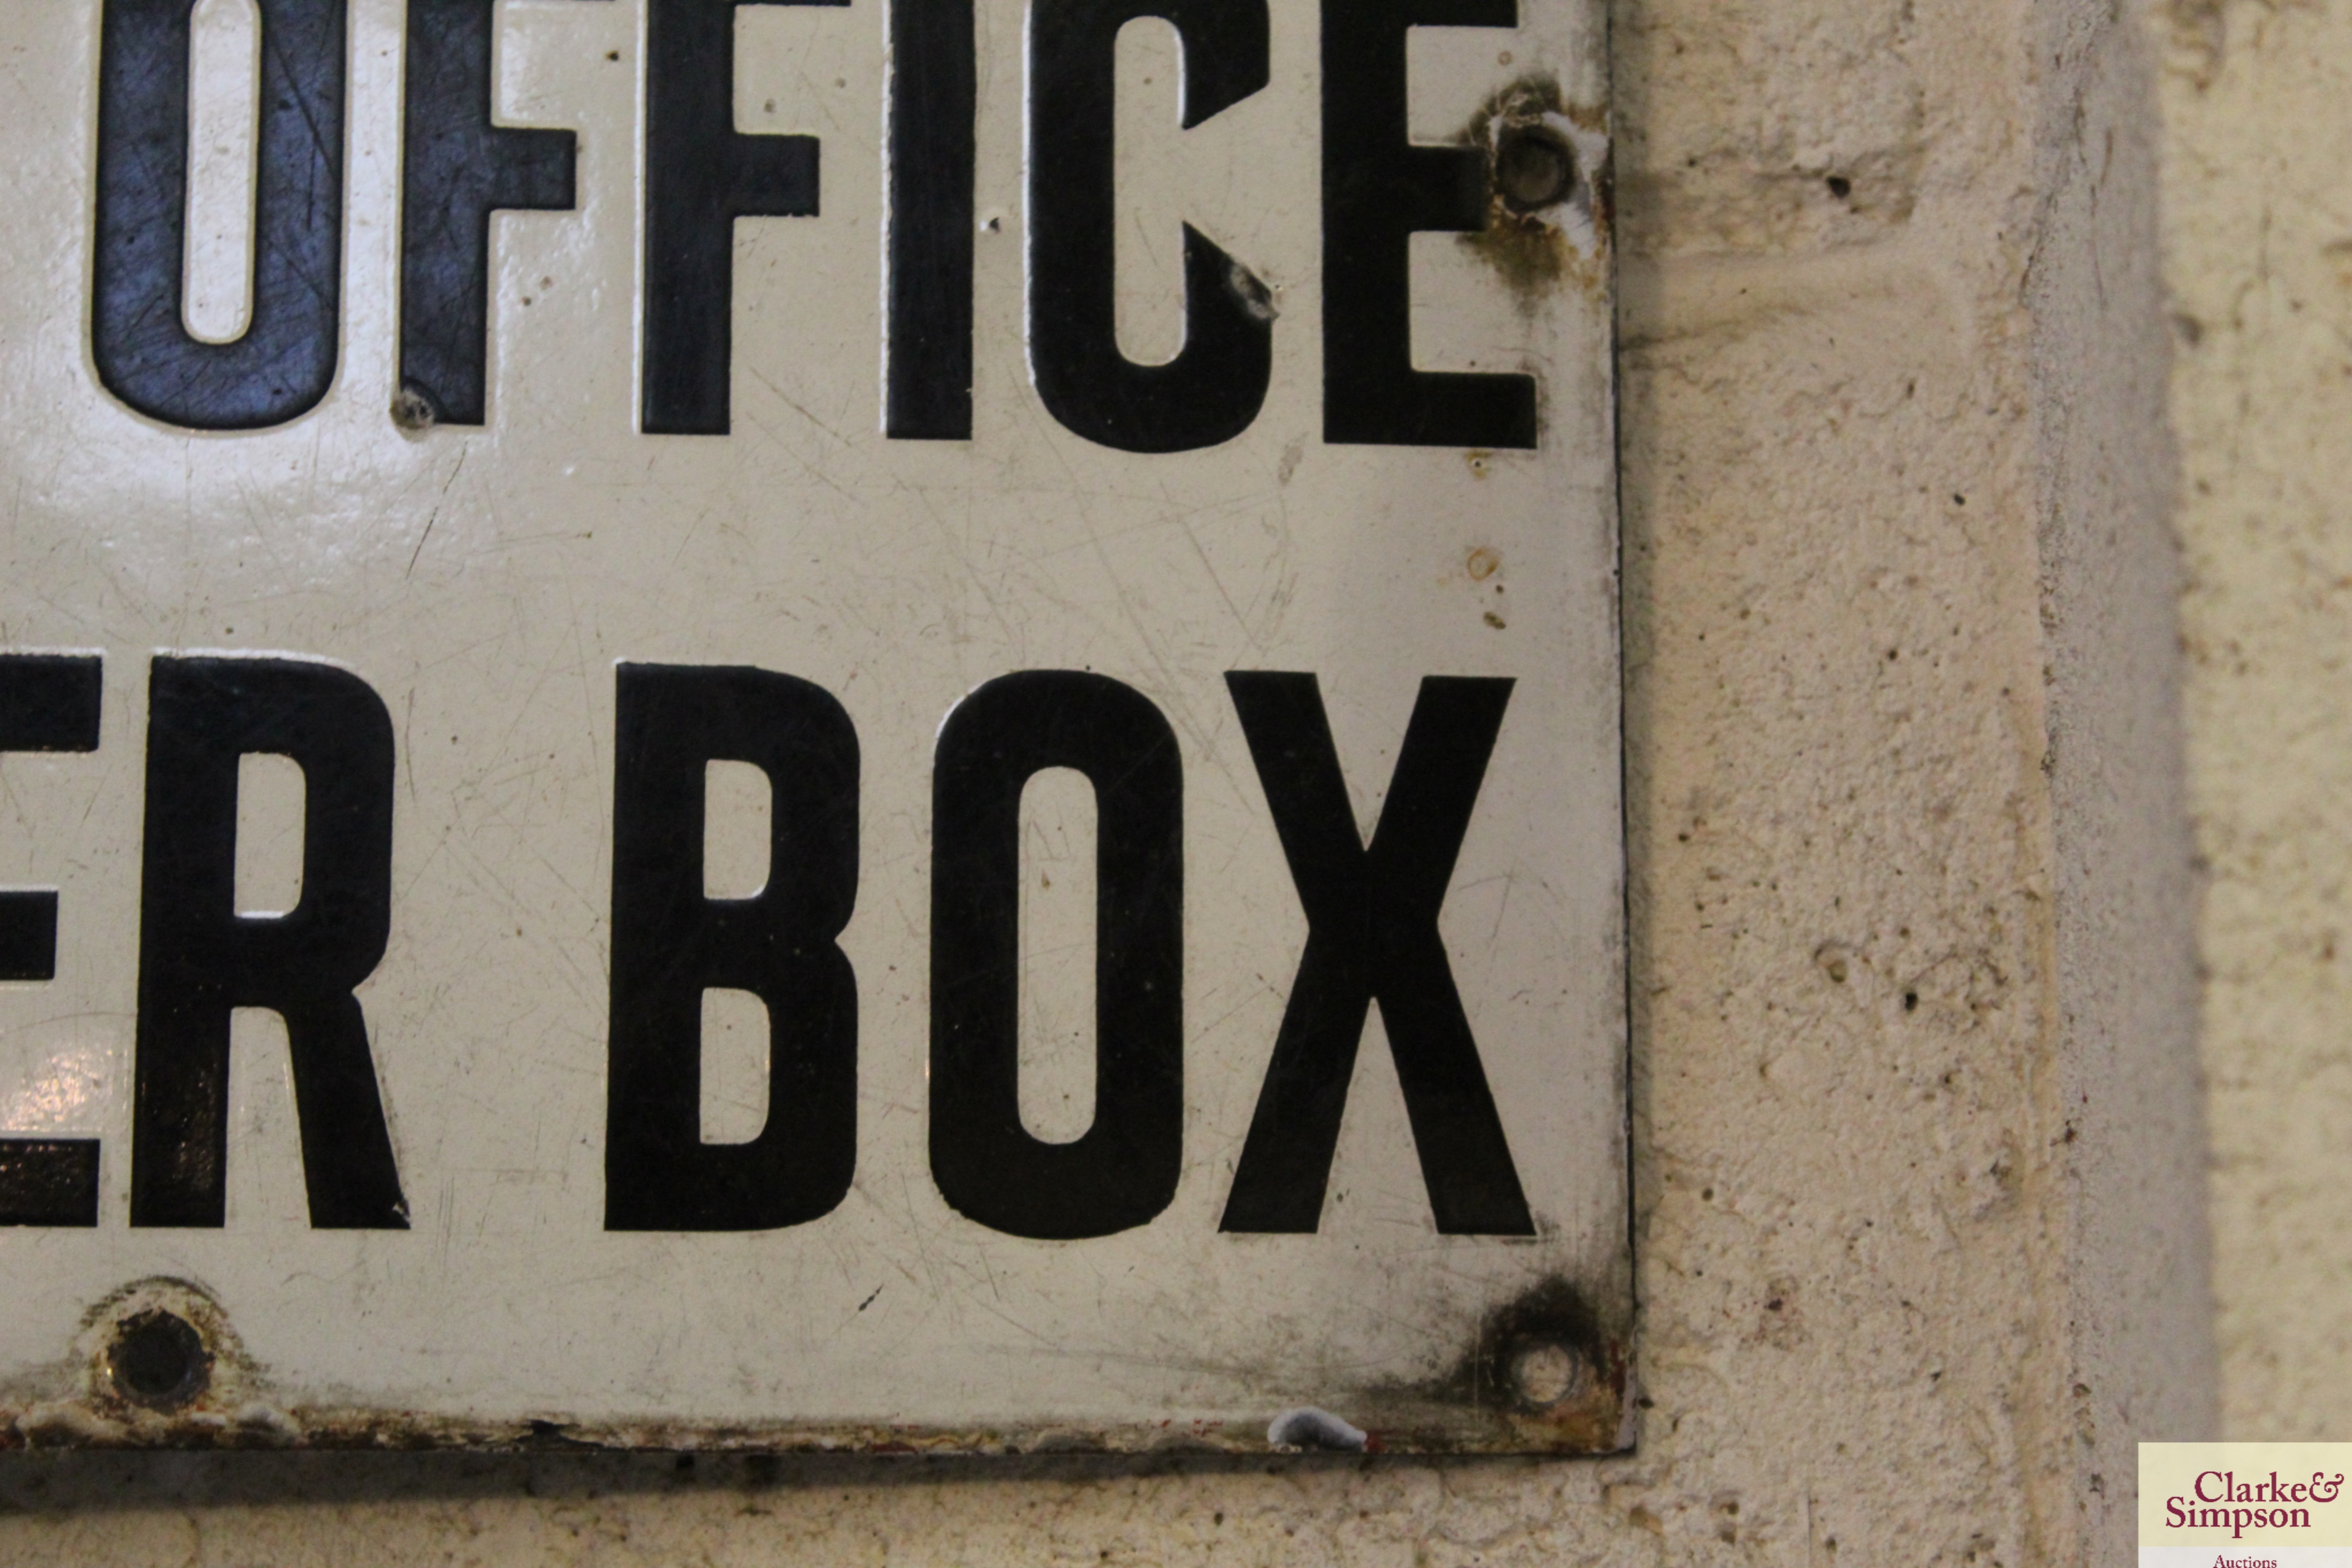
(1371, 932)
(457, 167)
(670, 943)
(199, 959)
(1378, 190)
(285, 361)
(934, 94)
(1123, 1171)
(700, 176)
(1213, 389)
(48, 702)
(49, 1182)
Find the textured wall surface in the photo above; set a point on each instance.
(1901, 786)
(2139, 1309)
(2258, 187)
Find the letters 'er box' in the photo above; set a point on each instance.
(880, 725)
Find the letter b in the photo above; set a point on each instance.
(671, 942)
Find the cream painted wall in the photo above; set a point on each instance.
(1918, 1229)
(2257, 188)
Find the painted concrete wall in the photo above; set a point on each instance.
(1911, 902)
(2258, 186)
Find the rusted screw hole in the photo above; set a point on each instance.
(1533, 167)
(1545, 1371)
(159, 1360)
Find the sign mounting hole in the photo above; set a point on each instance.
(159, 1361)
(1534, 168)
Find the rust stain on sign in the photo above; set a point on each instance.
(1548, 183)
(158, 1365)
(1542, 1371)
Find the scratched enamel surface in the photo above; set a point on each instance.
(485, 582)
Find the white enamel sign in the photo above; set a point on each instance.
(868, 725)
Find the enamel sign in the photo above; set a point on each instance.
(884, 725)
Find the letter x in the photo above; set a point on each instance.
(1371, 933)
